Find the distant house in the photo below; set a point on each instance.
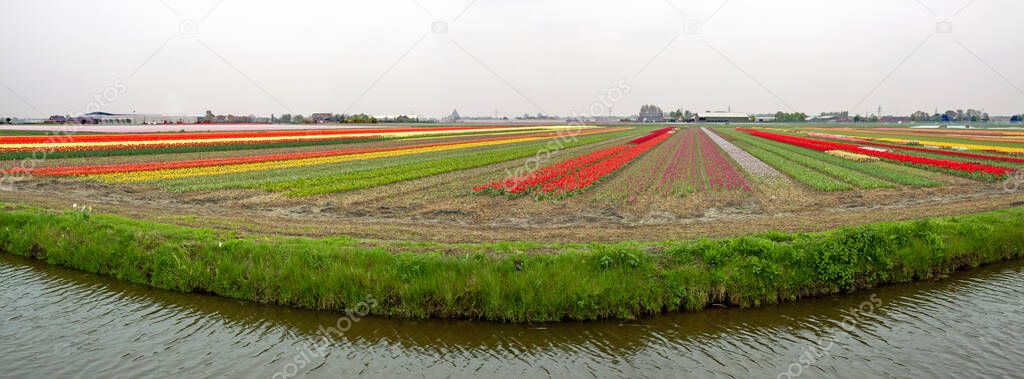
(454, 117)
(322, 117)
(211, 118)
(721, 117)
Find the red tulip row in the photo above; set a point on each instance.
(573, 174)
(526, 182)
(946, 152)
(589, 175)
(651, 136)
(966, 167)
(720, 172)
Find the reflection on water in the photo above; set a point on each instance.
(59, 322)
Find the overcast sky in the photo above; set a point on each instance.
(556, 57)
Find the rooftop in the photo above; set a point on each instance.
(722, 114)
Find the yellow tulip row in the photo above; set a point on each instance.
(138, 176)
(1002, 149)
(852, 156)
(267, 139)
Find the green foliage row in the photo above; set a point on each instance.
(497, 282)
(331, 183)
(972, 175)
(261, 178)
(817, 162)
(877, 170)
(798, 172)
(255, 179)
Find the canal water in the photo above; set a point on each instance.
(62, 323)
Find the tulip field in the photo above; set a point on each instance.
(199, 140)
(477, 174)
(670, 161)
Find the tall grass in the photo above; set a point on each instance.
(506, 281)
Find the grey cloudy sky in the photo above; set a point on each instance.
(383, 57)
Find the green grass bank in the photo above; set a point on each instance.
(506, 281)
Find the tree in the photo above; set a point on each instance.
(651, 113)
(857, 118)
(920, 116)
(790, 117)
(360, 119)
(973, 115)
(285, 119)
(298, 119)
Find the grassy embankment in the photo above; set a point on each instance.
(504, 281)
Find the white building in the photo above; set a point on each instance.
(15, 120)
(721, 117)
(104, 118)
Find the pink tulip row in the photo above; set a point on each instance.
(720, 171)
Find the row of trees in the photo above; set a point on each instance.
(959, 115)
(339, 118)
(681, 115)
(790, 117)
(651, 113)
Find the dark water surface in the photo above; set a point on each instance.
(63, 323)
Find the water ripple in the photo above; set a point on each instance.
(63, 323)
